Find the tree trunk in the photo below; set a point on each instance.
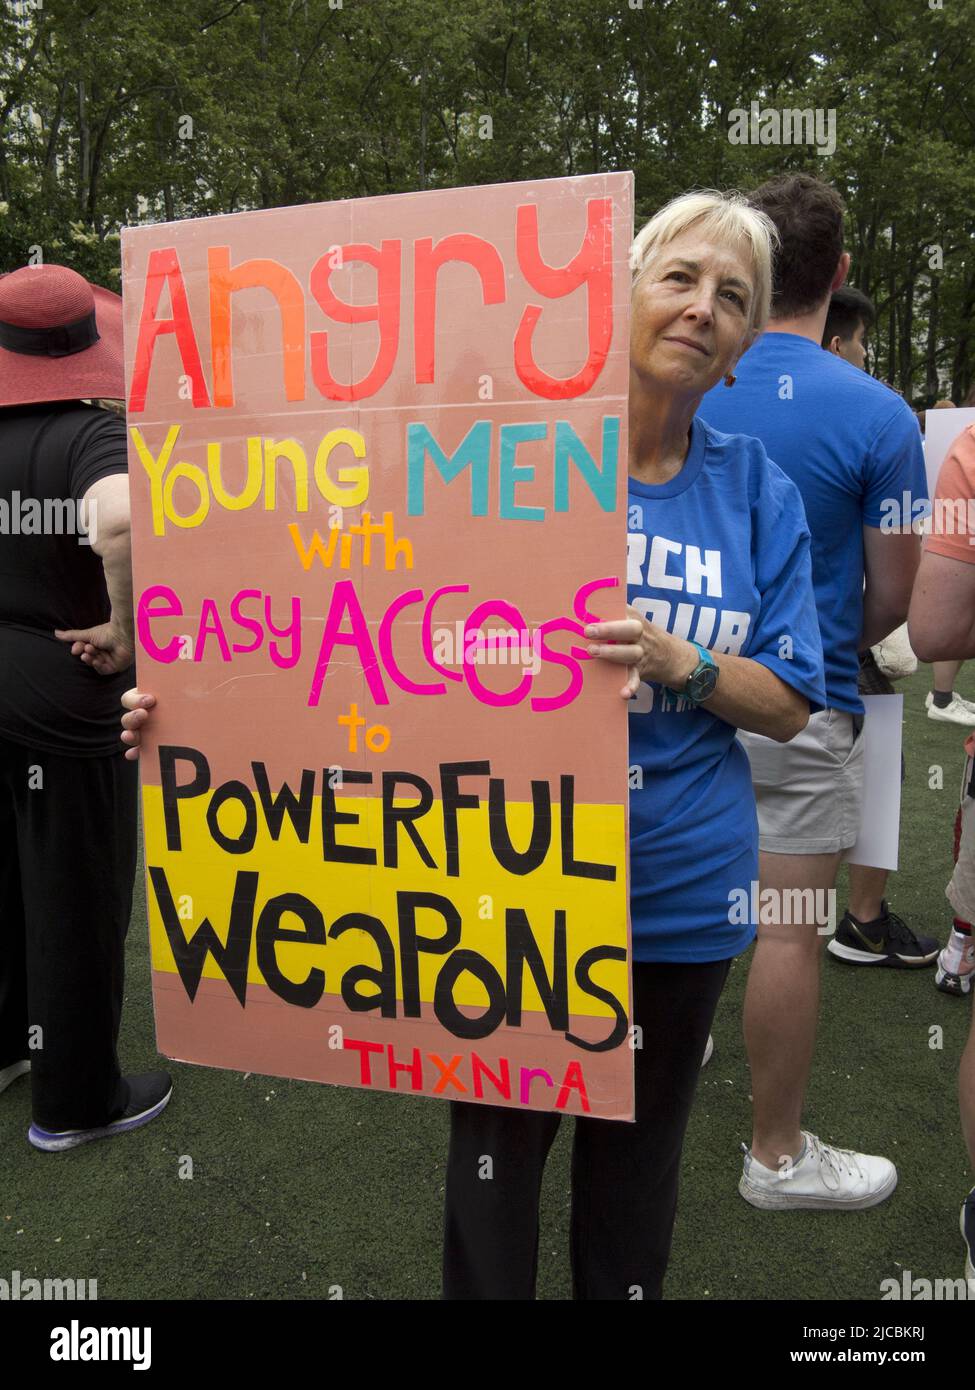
(931, 355)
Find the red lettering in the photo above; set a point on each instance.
(414, 1068)
(385, 311)
(572, 1081)
(592, 267)
(502, 1083)
(363, 1048)
(427, 260)
(163, 268)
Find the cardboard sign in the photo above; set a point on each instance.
(942, 428)
(878, 839)
(378, 464)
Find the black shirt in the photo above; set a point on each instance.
(49, 699)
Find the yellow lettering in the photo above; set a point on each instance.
(356, 479)
(155, 468)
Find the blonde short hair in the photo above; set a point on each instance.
(730, 220)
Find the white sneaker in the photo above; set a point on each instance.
(10, 1074)
(894, 655)
(709, 1048)
(821, 1177)
(957, 711)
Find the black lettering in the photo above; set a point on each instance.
(410, 945)
(297, 808)
(447, 1011)
(307, 992)
(331, 817)
(520, 861)
(190, 956)
(454, 801)
(246, 840)
(405, 816)
(521, 949)
(588, 986)
(384, 978)
(172, 791)
(577, 868)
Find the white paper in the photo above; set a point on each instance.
(880, 818)
(942, 428)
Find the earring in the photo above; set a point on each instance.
(730, 379)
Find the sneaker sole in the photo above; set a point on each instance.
(851, 956)
(50, 1142)
(10, 1074)
(778, 1201)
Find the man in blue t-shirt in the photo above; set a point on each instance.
(852, 447)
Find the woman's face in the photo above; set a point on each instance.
(690, 314)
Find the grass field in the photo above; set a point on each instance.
(299, 1188)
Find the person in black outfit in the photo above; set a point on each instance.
(67, 795)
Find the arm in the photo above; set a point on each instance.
(109, 647)
(748, 695)
(941, 624)
(890, 560)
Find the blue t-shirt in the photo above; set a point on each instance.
(849, 444)
(719, 555)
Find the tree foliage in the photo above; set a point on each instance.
(115, 111)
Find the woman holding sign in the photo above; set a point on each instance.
(721, 634)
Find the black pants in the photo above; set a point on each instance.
(67, 865)
(624, 1176)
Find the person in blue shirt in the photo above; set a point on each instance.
(720, 634)
(851, 445)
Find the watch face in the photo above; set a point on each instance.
(702, 682)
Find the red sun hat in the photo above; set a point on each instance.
(60, 338)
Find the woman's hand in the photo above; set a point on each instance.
(105, 647)
(650, 652)
(133, 723)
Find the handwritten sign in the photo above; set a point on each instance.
(377, 452)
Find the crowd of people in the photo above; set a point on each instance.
(758, 441)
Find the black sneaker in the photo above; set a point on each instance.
(887, 941)
(148, 1096)
(967, 1224)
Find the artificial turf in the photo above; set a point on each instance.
(305, 1191)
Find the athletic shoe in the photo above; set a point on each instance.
(9, 1074)
(820, 1177)
(957, 711)
(894, 654)
(888, 941)
(148, 1096)
(956, 965)
(709, 1048)
(967, 1226)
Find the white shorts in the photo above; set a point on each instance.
(809, 791)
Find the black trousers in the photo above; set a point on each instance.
(624, 1176)
(67, 864)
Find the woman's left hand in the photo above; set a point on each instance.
(650, 652)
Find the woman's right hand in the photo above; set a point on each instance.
(139, 706)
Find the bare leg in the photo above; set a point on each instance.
(945, 675)
(868, 887)
(782, 1006)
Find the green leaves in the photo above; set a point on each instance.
(116, 110)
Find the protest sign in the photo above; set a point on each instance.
(377, 452)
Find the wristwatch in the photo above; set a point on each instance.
(702, 680)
